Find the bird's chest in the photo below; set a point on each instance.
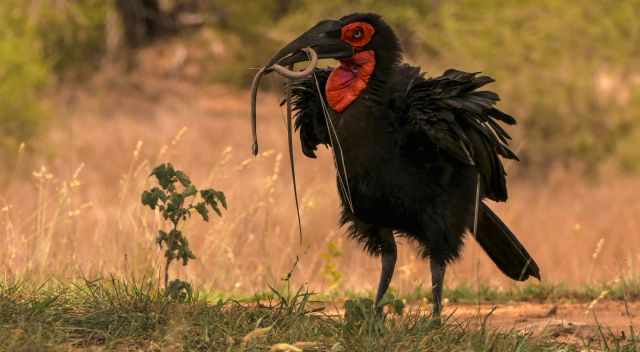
(374, 176)
(387, 194)
(365, 135)
(386, 186)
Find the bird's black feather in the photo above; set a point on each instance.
(501, 244)
(461, 121)
(307, 106)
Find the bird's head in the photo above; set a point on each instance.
(342, 39)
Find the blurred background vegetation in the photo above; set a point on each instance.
(569, 70)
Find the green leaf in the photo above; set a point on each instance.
(216, 209)
(398, 306)
(209, 195)
(164, 173)
(201, 208)
(179, 290)
(212, 197)
(183, 178)
(160, 193)
(149, 199)
(223, 199)
(190, 191)
(176, 200)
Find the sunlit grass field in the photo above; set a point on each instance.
(81, 268)
(71, 206)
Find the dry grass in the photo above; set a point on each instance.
(80, 212)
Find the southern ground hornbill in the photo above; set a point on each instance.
(415, 156)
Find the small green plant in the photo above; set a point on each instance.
(361, 315)
(177, 199)
(330, 268)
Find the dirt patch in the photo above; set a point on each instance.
(564, 321)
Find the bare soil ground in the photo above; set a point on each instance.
(564, 321)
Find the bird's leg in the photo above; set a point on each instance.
(388, 258)
(437, 281)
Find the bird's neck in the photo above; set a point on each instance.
(364, 74)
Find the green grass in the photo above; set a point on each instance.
(114, 314)
(619, 290)
(537, 292)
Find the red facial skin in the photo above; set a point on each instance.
(347, 81)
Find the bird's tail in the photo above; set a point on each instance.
(502, 246)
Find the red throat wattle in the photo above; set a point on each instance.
(348, 81)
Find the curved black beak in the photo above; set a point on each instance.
(324, 38)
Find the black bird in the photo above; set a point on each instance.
(415, 156)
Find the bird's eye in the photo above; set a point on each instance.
(357, 33)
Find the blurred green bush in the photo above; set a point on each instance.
(39, 42)
(23, 73)
(72, 32)
(567, 69)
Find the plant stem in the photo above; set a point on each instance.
(166, 273)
